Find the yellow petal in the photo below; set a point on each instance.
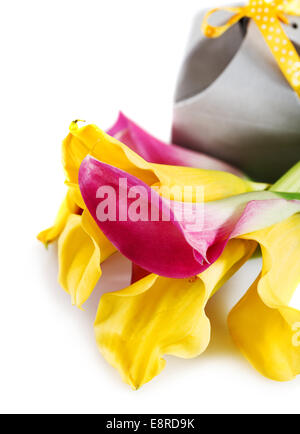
(262, 324)
(75, 194)
(67, 208)
(215, 184)
(81, 250)
(92, 229)
(135, 327)
(91, 140)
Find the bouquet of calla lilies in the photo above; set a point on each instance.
(187, 222)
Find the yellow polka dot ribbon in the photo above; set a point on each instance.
(268, 15)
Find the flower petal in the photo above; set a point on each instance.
(80, 256)
(90, 140)
(194, 235)
(131, 237)
(156, 151)
(67, 208)
(262, 324)
(135, 327)
(215, 184)
(137, 273)
(91, 228)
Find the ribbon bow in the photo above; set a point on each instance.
(268, 15)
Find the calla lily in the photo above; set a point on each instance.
(90, 139)
(175, 247)
(156, 151)
(188, 258)
(156, 315)
(80, 257)
(262, 324)
(67, 208)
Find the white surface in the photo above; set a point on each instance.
(63, 60)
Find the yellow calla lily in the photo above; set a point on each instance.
(81, 250)
(216, 184)
(67, 208)
(262, 324)
(135, 327)
(91, 140)
(159, 315)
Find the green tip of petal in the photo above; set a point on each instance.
(288, 196)
(290, 182)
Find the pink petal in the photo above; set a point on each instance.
(195, 235)
(156, 151)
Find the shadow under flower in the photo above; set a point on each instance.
(116, 275)
(221, 304)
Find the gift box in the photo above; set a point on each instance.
(233, 101)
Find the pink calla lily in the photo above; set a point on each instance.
(183, 239)
(156, 151)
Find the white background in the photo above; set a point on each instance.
(63, 60)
